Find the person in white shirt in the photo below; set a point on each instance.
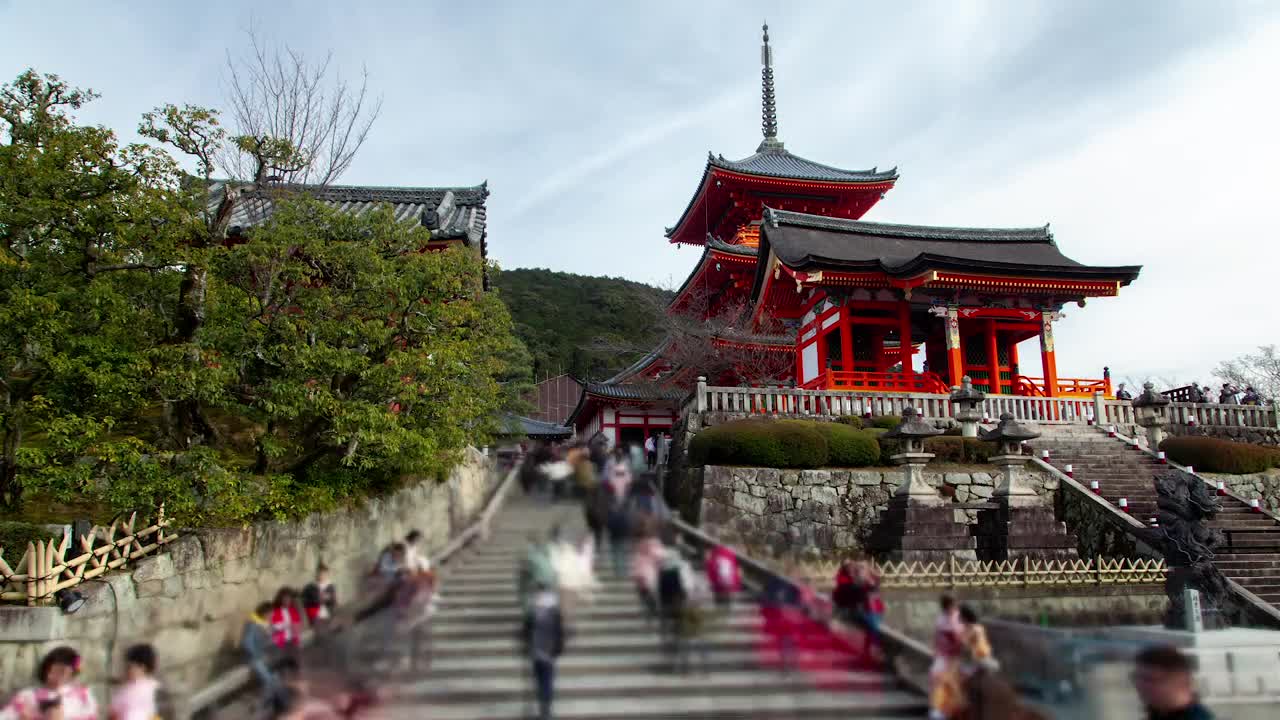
(415, 560)
(651, 451)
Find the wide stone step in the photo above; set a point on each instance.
(645, 684)
(636, 625)
(637, 660)
(619, 613)
(709, 706)
(723, 640)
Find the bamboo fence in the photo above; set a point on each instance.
(1021, 572)
(46, 568)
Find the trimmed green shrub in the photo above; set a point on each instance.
(760, 443)
(961, 450)
(850, 420)
(888, 422)
(947, 448)
(803, 442)
(849, 447)
(1224, 456)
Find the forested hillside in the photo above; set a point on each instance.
(559, 315)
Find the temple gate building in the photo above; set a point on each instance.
(852, 305)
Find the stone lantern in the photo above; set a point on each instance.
(1152, 411)
(1010, 434)
(912, 432)
(967, 400)
(1021, 524)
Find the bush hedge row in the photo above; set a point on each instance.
(1224, 456)
(812, 444)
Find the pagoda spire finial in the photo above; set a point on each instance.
(769, 111)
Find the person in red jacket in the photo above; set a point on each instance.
(724, 575)
(286, 621)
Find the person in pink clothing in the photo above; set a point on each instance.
(646, 558)
(724, 575)
(136, 698)
(58, 695)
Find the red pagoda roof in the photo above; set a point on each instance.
(732, 192)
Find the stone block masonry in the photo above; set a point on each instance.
(192, 600)
(820, 512)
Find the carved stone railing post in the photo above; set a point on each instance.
(1099, 410)
(700, 396)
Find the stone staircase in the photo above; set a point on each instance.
(613, 667)
(1252, 557)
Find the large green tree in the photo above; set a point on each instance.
(143, 359)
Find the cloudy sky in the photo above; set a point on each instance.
(1144, 131)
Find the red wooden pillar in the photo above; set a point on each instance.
(846, 338)
(1047, 358)
(955, 360)
(993, 358)
(904, 337)
(1014, 370)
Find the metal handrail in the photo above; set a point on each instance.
(236, 679)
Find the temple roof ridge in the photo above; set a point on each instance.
(1038, 234)
(779, 162)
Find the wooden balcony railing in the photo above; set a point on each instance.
(878, 382)
(1066, 387)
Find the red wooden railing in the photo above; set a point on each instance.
(1067, 387)
(878, 382)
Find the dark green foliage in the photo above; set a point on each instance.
(888, 422)
(1213, 455)
(850, 420)
(14, 537)
(960, 450)
(848, 446)
(784, 444)
(559, 315)
(947, 448)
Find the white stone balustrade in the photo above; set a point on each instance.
(1040, 410)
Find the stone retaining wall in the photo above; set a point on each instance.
(1264, 486)
(192, 600)
(820, 512)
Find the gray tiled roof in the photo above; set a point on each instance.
(634, 392)
(520, 425)
(722, 246)
(638, 365)
(460, 211)
(1040, 234)
(777, 162)
(805, 242)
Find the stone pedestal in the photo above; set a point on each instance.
(914, 487)
(1009, 533)
(1011, 490)
(916, 532)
